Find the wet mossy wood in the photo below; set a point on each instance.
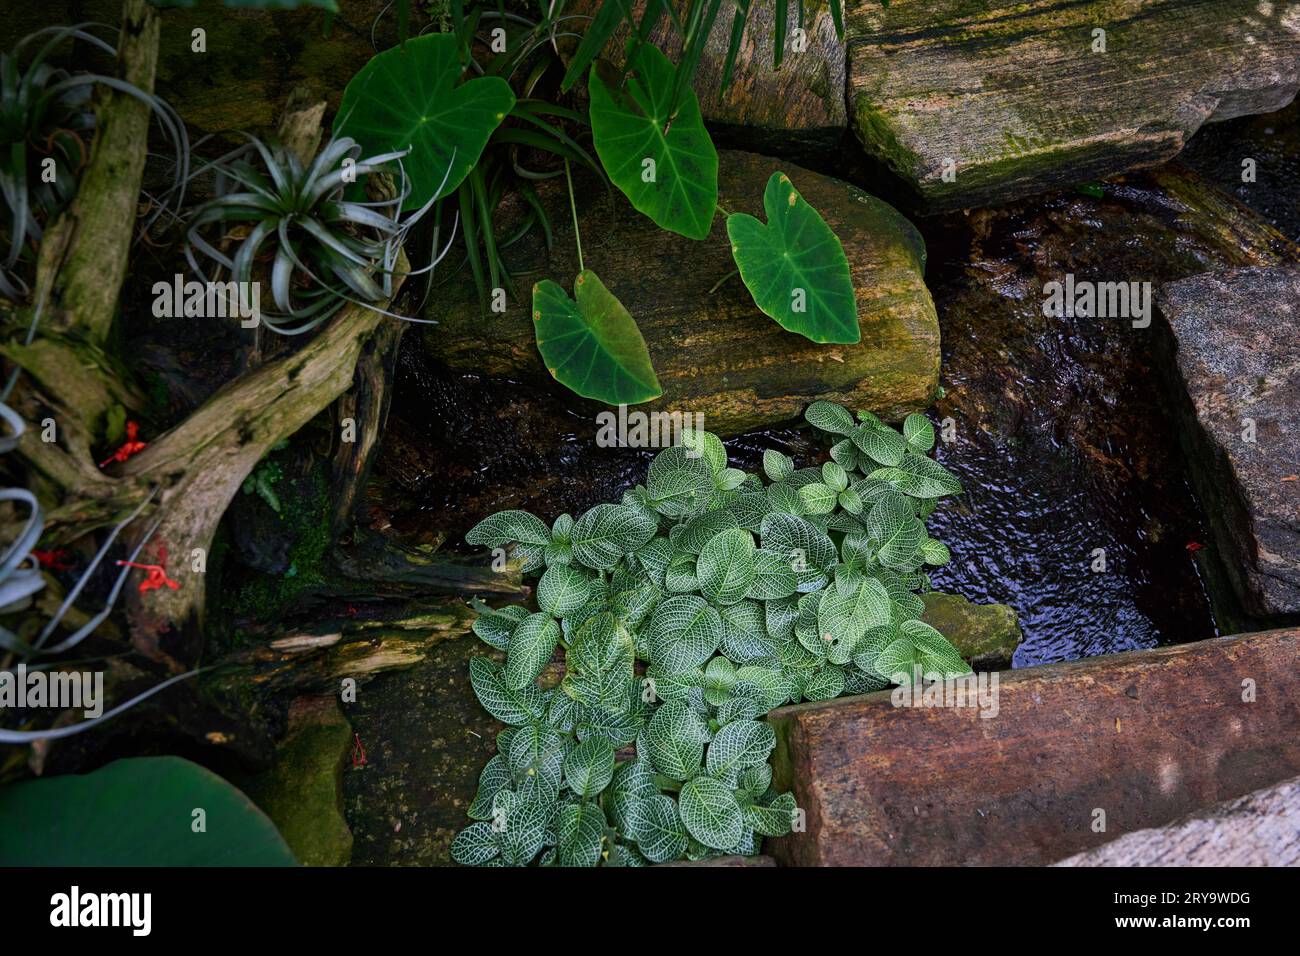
(1146, 736)
(801, 105)
(714, 351)
(1017, 97)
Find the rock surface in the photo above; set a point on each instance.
(800, 105)
(1143, 737)
(303, 792)
(714, 352)
(1238, 355)
(987, 635)
(1012, 96)
(1259, 829)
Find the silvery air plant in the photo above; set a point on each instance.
(686, 612)
(298, 225)
(47, 124)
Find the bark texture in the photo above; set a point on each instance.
(801, 104)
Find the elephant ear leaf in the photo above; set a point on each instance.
(408, 97)
(663, 162)
(592, 345)
(795, 267)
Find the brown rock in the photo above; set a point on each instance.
(1143, 737)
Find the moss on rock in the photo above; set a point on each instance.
(987, 635)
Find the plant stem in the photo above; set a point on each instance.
(717, 285)
(573, 208)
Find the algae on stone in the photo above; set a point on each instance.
(303, 792)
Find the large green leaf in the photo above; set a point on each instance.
(795, 267)
(592, 346)
(136, 812)
(634, 135)
(531, 645)
(408, 97)
(581, 827)
(589, 767)
(683, 633)
(516, 707)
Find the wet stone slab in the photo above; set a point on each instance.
(1238, 355)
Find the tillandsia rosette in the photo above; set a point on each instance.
(687, 611)
(276, 218)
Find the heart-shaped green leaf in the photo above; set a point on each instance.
(408, 97)
(592, 346)
(665, 165)
(795, 267)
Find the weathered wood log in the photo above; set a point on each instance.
(1124, 741)
(977, 103)
(714, 352)
(202, 463)
(799, 106)
(1259, 829)
(315, 660)
(83, 262)
(1237, 342)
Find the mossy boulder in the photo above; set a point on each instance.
(303, 792)
(714, 352)
(987, 635)
(976, 102)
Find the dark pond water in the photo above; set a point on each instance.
(1063, 433)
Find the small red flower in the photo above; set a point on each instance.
(1194, 546)
(129, 447)
(358, 753)
(52, 560)
(155, 579)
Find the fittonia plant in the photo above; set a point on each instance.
(737, 596)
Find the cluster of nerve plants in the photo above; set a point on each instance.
(737, 597)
